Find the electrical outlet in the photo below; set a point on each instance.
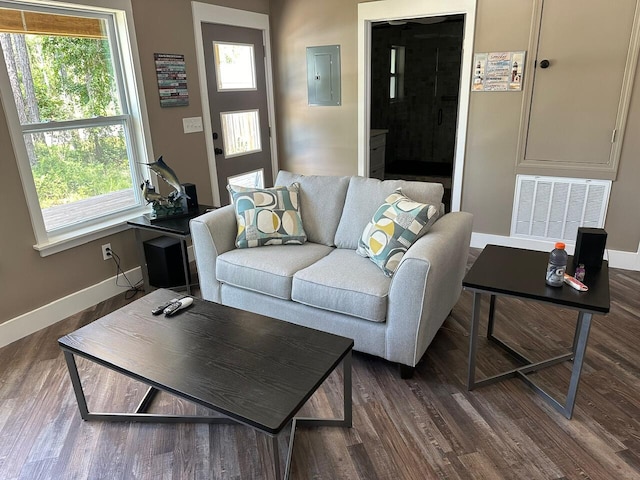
(106, 251)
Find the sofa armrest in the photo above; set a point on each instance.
(426, 286)
(212, 234)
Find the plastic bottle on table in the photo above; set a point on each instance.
(580, 272)
(557, 265)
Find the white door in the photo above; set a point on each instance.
(236, 84)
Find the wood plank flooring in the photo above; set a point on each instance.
(428, 427)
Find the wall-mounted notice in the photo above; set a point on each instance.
(172, 79)
(498, 72)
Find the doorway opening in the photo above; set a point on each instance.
(415, 84)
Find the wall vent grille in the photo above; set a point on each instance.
(553, 208)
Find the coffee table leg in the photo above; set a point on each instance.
(276, 455)
(346, 376)
(346, 421)
(77, 384)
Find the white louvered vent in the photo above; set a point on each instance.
(554, 207)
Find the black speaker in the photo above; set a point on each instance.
(164, 262)
(590, 246)
(192, 196)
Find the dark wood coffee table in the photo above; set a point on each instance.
(520, 273)
(255, 370)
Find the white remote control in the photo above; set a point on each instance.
(176, 306)
(575, 283)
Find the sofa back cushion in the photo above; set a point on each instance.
(321, 203)
(365, 195)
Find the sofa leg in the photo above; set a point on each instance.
(406, 371)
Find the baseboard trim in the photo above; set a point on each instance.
(617, 258)
(47, 315)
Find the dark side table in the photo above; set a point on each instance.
(176, 227)
(520, 273)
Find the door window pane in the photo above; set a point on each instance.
(240, 132)
(254, 179)
(235, 66)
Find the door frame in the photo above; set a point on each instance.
(207, 13)
(382, 10)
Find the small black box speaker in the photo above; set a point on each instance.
(164, 262)
(590, 246)
(192, 196)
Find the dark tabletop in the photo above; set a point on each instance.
(178, 224)
(521, 273)
(254, 369)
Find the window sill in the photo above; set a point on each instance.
(80, 236)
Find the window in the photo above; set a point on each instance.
(396, 74)
(70, 73)
(235, 66)
(240, 132)
(253, 179)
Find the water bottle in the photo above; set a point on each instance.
(557, 265)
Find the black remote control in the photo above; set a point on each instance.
(179, 305)
(159, 309)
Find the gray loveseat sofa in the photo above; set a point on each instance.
(324, 284)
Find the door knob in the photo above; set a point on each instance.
(218, 151)
(215, 135)
(545, 64)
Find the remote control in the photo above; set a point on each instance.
(179, 305)
(159, 309)
(575, 283)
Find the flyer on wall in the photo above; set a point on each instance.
(498, 72)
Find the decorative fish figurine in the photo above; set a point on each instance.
(168, 175)
(149, 193)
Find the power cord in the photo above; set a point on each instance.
(133, 289)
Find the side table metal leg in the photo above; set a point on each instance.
(143, 261)
(580, 343)
(185, 265)
(576, 335)
(473, 340)
(492, 311)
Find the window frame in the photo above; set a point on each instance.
(119, 16)
(396, 73)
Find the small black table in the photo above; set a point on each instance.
(521, 273)
(255, 370)
(177, 227)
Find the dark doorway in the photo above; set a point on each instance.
(415, 80)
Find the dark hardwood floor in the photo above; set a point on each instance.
(428, 427)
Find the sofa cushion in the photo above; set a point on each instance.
(269, 269)
(365, 195)
(267, 216)
(343, 282)
(395, 226)
(321, 203)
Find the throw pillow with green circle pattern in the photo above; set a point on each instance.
(395, 226)
(267, 216)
